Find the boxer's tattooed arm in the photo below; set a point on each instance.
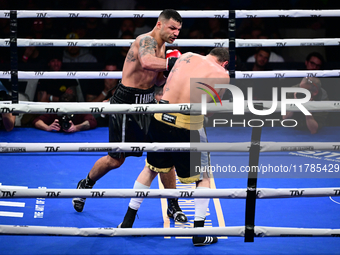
(186, 59)
(130, 57)
(147, 45)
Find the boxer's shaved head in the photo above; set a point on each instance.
(168, 14)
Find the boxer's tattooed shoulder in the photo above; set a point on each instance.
(173, 70)
(147, 45)
(186, 59)
(130, 57)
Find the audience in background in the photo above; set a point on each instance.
(68, 123)
(7, 120)
(122, 51)
(261, 58)
(75, 54)
(127, 25)
(273, 58)
(317, 120)
(99, 90)
(314, 61)
(50, 90)
(141, 26)
(34, 58)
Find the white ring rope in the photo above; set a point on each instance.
(167, 147)
(259, 231)
(118, 74)
(286, 13)
(239, 43)
(64, 75)
(184, 14)
(286, 74)
(112, 42)
(244, 43)
(113, 14)
(106, 108)
(262, 193)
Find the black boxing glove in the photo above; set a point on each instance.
(171, 58)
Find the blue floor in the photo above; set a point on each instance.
(64, 170)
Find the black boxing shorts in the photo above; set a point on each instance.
(130, 127)
(187, 164)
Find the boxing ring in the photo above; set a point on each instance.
(19, 146)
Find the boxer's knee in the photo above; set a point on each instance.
(113, 163)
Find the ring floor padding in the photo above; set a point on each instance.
(64, 170)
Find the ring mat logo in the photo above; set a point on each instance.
(323, 155)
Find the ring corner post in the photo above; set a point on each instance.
(254, 154)
(14, 55)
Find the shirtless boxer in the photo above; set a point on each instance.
(143, 68)
(174, 127)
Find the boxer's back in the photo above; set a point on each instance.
(192, 67)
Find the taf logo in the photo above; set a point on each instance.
(204, 109)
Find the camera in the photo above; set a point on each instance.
(300, 95)
(64, 121)
(4, 96)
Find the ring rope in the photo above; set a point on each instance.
(106, 108)
(64, 75)
(118, 74)
(166, 147)
(111, 42)
(113, 14)
(240, 43)
(184, 14)
(286, 74)
(286, 13)
(262, 193)
(260, 231)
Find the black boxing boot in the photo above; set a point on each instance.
(202, 240)
(79, 202)
(175, 212)
(129, 219)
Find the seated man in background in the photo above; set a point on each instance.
(103, 89)
(75, 54)
(261, 58)
(65, 122)
(50, 90)
(317, 120)
(314, 61)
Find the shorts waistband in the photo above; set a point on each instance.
(129, 95)
(179, 120)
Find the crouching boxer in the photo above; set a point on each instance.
(177, 127)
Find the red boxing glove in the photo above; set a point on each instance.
(171, 57)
